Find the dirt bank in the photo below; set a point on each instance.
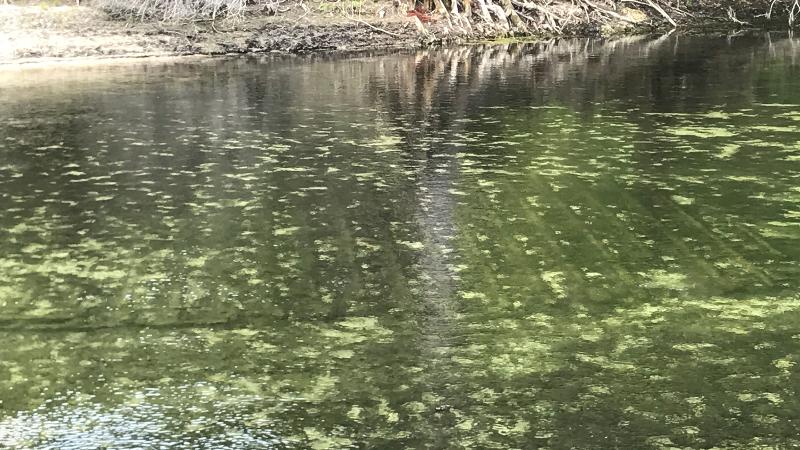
(34, 33)
(31, 33)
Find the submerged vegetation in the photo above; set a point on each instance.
(560, 244)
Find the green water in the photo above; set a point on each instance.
(576, 244)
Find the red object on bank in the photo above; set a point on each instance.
(422, 15)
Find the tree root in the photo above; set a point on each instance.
(503, 17)
(525, 16)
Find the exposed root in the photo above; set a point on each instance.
(555, 16)
(607, 12)
(490, 17)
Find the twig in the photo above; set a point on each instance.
(375, 28)
(307, 11)
(637, 2)
(529, 19)
(165, 31)
(674, 8)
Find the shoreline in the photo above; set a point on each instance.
(37, 36)
(33, 36)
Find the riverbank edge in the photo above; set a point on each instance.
(103, 40)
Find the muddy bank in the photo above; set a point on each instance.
(35, 33)
(333, 37)
(29, 34)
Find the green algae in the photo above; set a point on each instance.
(681, 200)
(378, 271)
(702, 132)
(728, 151)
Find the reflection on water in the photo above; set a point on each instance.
(566, 244)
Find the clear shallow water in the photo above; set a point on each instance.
(577, 244)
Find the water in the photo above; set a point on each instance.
(568, 244)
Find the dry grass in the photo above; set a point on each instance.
(171, 10)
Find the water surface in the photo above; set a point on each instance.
(578, 244)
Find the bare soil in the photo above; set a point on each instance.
(34, 33)
(42, 32)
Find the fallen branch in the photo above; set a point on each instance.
(550, 18)
(375, 28)
(529, 19)
(732, 16)
(610, 13)
(662, 12)
(769, 13)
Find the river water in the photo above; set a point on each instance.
(570, 244)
